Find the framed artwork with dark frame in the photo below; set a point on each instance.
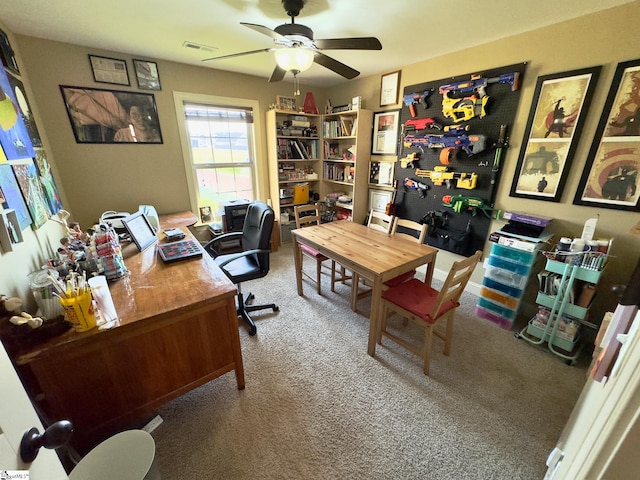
(559, 107)
(610, 176)
(385, 132)
(389, 88)
(147, 74)
(111, 116)
(109, 70)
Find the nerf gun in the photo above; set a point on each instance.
(460, 203)
(412, 100)
(460, 109)
(454, 137)
(420, 124)
(440, 175)
(408, 161)
(419, 187)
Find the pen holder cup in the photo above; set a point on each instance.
(79, 311)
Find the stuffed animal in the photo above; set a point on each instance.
(9, 305)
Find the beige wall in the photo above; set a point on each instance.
(122, 176)
(96, 178)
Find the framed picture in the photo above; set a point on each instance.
(389, 87)
(382, 173)
(7, 55)
(206, 214)
(378, 200)
(558, 111)
(610, 177)
(109, 70)
(385, 132)
(286, 103)
(147, 74)
(111, 116)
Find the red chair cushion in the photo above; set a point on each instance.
(400, 279)
(418, 298)
(310, 251)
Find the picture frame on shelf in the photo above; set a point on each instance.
(111, 116)
(610, 176)
(287, 104)
(558, 111)
(385, 132)
(389, 88)
(147, 74)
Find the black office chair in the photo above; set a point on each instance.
(252, 262)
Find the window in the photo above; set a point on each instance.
(219, 153)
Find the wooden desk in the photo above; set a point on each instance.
(178, 330)
(374, 255)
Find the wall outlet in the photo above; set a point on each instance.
(153, 424)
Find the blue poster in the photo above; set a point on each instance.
(10, 192)
(14, 136)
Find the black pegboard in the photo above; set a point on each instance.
(501, 110)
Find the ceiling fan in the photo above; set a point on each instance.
(296, 48)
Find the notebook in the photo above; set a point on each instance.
(181, 250)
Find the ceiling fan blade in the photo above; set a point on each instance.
(265, 31)
(355, 43)
(239, 54)
(278, 74)
(335, 65)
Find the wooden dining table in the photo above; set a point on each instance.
(374, 255)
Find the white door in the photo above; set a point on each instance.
(16, 417)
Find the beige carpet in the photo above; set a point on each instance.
(316, 406)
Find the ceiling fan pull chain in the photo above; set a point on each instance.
(296, 85)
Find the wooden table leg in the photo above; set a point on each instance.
(298, 264)
(374, 318)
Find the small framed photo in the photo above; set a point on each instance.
(286, 103)
(147, 74)
(385, 132)
(206, 215)
(389, 87)
(109, 70)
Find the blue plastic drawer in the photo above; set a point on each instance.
(512, 254)
(501, 287)
(494, 307)
(503, 276)
(500, 262)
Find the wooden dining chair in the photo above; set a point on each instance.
(413, 231)
(426, 307)
(378, 221)
(305, 216)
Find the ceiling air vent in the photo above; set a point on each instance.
(197, 46)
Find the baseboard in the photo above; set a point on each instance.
(472, 287)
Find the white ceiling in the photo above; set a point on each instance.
(409, 30)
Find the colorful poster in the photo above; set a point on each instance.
(50, 189)
(14, 136)
(27, 176)
(12, 196)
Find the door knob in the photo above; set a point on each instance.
(56, 435)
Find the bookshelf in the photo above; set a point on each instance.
(329, 154)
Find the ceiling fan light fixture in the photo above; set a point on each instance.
(294, 58)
